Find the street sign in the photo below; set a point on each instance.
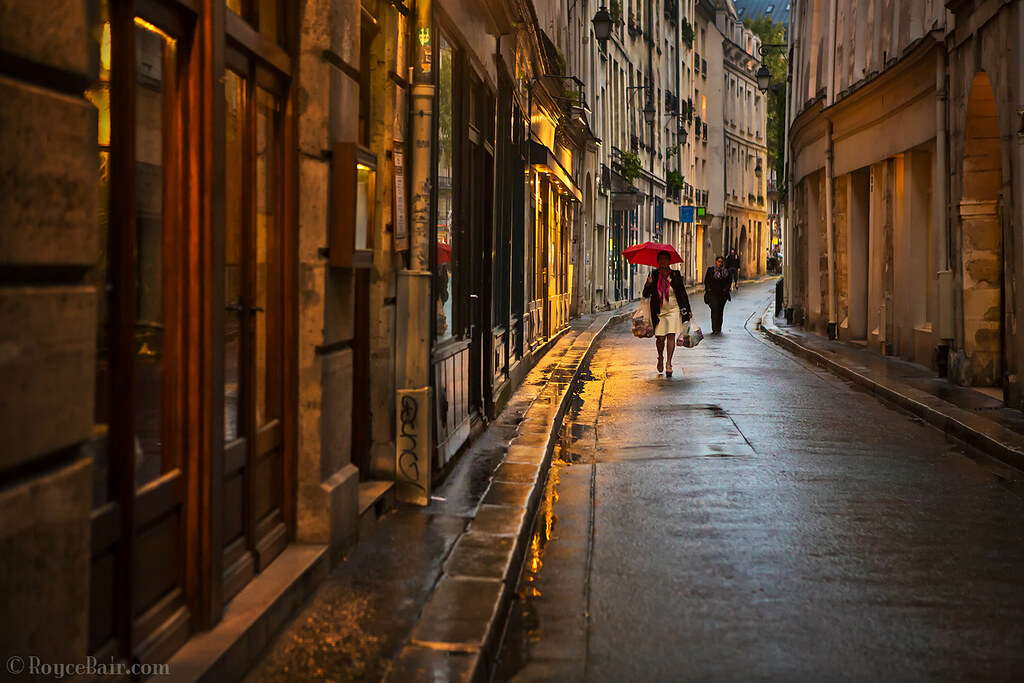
(686, 214)
(401, 226)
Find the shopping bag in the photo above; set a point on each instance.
(691, 335)
(642, 325)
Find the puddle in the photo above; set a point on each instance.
(523, 627)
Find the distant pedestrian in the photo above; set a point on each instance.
(717, 282)
(670, 308)
(732, 264)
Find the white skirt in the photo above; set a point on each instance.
(670, 321)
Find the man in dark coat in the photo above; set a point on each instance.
(732, 264)
(717, 282)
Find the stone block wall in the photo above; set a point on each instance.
(327, 111)
(48, 243)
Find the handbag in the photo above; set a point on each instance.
(642, 325)
(691, 335)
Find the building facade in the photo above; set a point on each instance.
(905, 183)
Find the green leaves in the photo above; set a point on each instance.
(777, 61)
(630, 166)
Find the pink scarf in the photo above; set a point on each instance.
(664, 285)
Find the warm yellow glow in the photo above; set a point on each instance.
(362, 167)
(105, 52)
(142, 23)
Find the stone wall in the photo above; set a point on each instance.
(327, 111)
(48, 242)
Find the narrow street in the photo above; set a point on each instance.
(756, 518)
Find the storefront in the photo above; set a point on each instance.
(463, 230)
(193, 481)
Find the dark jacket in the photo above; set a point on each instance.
(732, 261)
(717, 286)
(678, 287)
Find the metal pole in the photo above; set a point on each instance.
(413, 424)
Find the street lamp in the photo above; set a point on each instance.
(603, 24)
(764, 78)
(758, 171)
(682, 133)
(650, 113)
(764, 75)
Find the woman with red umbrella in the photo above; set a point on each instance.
(670, 307)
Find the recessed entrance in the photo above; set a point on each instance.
(982, 355)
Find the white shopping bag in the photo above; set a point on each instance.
(642, 325)
(691, 335)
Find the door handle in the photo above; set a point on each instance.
(236, 307)
(256, 309)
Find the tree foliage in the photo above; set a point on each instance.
(630, 166)
(777, 61)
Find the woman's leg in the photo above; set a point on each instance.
(670, 341)
(660, 343)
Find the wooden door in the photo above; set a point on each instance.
(138, 605)
(253, 525)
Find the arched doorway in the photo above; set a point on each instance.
(982, 354)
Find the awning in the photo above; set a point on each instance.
(544, 161)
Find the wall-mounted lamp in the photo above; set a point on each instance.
(603, 24)
(353, 188)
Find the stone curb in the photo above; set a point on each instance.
(459, 632)
(977, 432)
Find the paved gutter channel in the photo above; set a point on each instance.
(979, 433)
(458, 634)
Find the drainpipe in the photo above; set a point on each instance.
(791, 95)
(943, 334)
(1012, 372)
(830, 231)
(413, 426)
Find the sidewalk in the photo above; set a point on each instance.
(426, 595)
(979, 420)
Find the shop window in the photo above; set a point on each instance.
(446, 272)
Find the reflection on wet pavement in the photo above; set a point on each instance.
(756, 518)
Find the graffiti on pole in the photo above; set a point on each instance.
(412, 467)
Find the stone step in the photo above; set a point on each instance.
(376, 499)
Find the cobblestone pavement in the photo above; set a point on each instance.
(756, 518)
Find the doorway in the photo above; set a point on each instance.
(254, 530)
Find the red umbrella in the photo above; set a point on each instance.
(444, 253)
(646, 254)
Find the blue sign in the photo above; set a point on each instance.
(686, 214)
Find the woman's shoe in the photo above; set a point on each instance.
(668, 370)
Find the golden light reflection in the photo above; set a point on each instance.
(105, 52)
(99, 94)
(142, 23)
(544, 530)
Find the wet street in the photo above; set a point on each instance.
(754, 517)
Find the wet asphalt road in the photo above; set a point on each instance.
(756, 518)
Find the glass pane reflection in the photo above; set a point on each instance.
(154, 64)
(233, 224)
(444, 285)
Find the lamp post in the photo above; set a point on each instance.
(603, 24)
(764, 74)
(650, 112)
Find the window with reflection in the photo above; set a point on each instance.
(154, 67)
(234, 94)
(445, 271)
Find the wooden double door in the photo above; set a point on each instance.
(191, 487)
(253, 523)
